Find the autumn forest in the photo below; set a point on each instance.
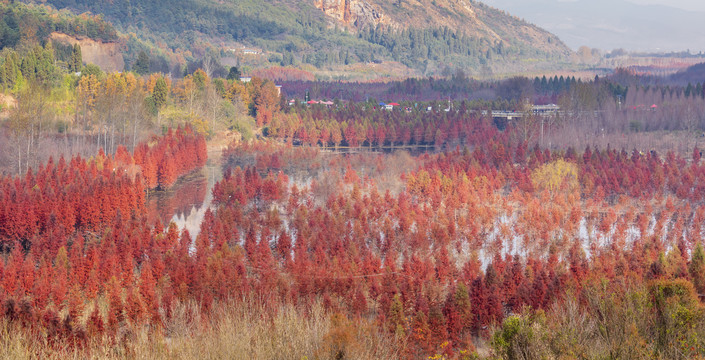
(209, 213)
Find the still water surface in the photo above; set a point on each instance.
(186, 202)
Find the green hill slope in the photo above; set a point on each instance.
(428, 36)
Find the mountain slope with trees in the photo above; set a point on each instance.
(427, 36)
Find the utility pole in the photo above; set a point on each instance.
(541, 142)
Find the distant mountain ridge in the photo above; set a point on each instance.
(428, 35)
(471, 17)
(614, 24)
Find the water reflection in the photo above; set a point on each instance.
(186, 202)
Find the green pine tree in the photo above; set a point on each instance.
(234, 73)
(141, 66)
(76, 61)
(160, 93)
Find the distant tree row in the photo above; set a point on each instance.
(368, 125)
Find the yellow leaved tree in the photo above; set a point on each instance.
(556, 175)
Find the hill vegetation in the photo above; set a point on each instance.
(25, 23)
(479, 38)
(28, 51)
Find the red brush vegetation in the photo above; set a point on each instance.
(177, 153)
(475, 235)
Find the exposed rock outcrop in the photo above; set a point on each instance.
(106, 55)
(353, 13)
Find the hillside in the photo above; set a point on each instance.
(38, 40)
(471, 18)
(693, 74)
(21, 23)
(428, 36)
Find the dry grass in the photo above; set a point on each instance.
(661, 320)
(232, 331)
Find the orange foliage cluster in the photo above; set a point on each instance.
(259, 94)
(177, 153)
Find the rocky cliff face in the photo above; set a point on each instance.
(353, 13)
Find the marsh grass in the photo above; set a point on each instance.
(235, 330)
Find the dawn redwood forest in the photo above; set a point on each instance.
(245, 211)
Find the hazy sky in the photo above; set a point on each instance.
(636, 25)
(696, 5)
(691, 5)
